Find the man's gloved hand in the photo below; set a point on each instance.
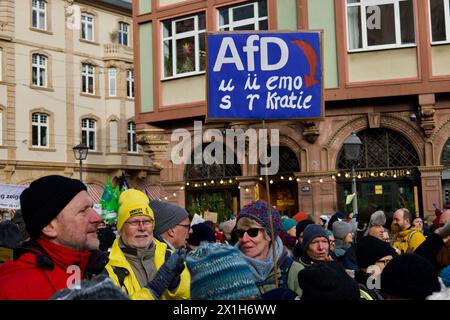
(171, 269)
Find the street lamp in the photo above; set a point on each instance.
(352, 148)
(81, 151)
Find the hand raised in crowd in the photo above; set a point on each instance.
(170, 270)
(444, 232)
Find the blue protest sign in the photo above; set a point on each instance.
(263, 75)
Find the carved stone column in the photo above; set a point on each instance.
(154, 142)
(431, 188)
(427, 111)
(311, 131)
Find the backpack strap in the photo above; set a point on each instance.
(284, 268)
(409, 249)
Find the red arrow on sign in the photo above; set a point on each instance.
(311, 57)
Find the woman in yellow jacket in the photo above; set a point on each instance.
(140, 264)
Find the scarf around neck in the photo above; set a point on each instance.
(262, 268)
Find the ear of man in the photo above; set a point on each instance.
(50, 230)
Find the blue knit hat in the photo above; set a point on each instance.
(219, 272)
(259, 212)
(311, 232)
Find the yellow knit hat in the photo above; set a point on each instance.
(133, 203)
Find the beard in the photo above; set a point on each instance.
(395, 228)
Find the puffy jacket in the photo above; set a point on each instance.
(24, 279)
(130, 283)
(408, 240)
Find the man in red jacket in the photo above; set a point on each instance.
(63, 246)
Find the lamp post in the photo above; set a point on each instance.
(352, 148)
(81, 151)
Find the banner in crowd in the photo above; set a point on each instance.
(10, 196)
(265, 75)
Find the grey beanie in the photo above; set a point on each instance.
(341, 229)
(167, 215)
(377, 219)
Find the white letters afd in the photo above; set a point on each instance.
(250, 48)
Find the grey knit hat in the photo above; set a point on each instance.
(167, 215)
(377, 218)
(100, 287)
(341, 229)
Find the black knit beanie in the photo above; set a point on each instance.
(370, 249)
(327, 281)
(44, 199)
(409, 276)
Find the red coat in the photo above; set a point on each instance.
(24, 280)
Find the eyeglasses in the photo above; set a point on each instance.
(252, 232)
(137, 223)
(188, 226)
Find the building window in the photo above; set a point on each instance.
(113, 136)
(87, 78)
(88, 132)
(440, 20)
(131, 137)
(130, 83)
(112, 82)
(87, 26)
(39, 72)
(39, 14)
(249, 16)
(39, 123)
(380, 24)
(183, 46)
(123, 33)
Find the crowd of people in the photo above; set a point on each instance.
(57, 247)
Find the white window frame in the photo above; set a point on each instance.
(124, 31)
(239, 23)
(447, 22)
(39, 120)
(86, 24)
(131, 137)
(177, 36)
(36, 8)
(130, 84)
(363, 4)
(88, 72)
(90, 127)
(112, 80)
(39, 62)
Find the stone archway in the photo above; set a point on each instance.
(387, 171)
(388, 121)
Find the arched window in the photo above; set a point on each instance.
(131, 137)
(445, 157)
(212, 171)
(39, 70)
(87, 26)
(88, 133)
(382, 148)
(88, 78)
(39, 124)
(39, 14)
(123, 33)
